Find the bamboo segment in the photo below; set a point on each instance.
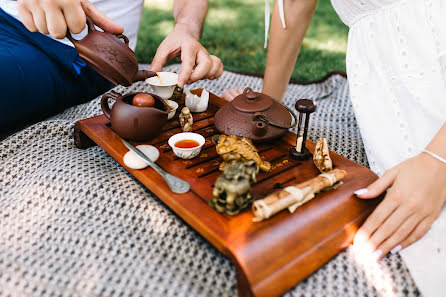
(294, 196)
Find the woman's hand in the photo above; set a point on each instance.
(415, 199)
(230, 94)
(55, 16)
(196, 62)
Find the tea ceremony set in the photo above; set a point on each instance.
(242, 176)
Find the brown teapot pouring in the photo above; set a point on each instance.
(110, 56)
(135, 122)
(255, 116)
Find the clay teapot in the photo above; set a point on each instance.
(110, 56)
(135, 122)
(255, 116)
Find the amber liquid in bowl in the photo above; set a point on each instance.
(186, 143)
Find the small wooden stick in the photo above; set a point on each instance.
(294, 196)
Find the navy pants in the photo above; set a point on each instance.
(40, 76)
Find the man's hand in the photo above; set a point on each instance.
(411, 205)
(55, 16)
(196, 64)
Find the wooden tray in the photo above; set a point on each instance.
(271, 256)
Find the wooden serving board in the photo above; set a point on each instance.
(270, 256)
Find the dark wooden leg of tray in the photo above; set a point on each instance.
(81, 140)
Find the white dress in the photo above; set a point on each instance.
(396, 66)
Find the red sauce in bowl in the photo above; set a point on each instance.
(186, 143)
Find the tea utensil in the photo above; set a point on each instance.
(175, 184)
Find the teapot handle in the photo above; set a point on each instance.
(123, 37)
(90, 26)
(104, 102)
(263, 118)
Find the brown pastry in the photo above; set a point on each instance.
(233, 148)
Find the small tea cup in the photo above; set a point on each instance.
(186, 153)
(166, 86)
(173, 110)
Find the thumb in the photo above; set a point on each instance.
(379, 186)
(159, 60)
(100, 19)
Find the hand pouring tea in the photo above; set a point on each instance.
(110, 56)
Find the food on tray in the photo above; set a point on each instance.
(232, 190)
(178, 144)
(195, 103)
(186, 120)
(294, 196)
(233, 148)
(143, 100)
(133, 161)
(321, 156)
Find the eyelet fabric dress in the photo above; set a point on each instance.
(396, 66)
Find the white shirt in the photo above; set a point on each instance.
(126, 13)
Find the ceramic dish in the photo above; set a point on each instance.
(166, 86)
(186, 153)
(173, 110)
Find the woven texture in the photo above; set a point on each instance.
(74, 223)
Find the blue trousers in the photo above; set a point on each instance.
(40, 76)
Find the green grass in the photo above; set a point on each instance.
(234, 31)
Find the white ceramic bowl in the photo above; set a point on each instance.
(172, 111)
(186, 153)
(165, 89)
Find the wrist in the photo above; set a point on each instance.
(191, 28)
(435, 156)
(433, 164)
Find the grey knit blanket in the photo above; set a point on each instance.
(74, 223)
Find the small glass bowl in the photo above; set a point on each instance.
(186, 153)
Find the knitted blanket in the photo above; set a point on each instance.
(74, 223)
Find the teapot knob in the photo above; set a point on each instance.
(250, 94)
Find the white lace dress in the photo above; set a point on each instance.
(396, 66)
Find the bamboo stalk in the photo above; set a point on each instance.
(293, 196)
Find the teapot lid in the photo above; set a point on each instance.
(107, 54)
(251, 101)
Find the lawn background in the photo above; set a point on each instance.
(234, 31)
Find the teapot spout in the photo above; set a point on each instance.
(143, 75)
(258, 127)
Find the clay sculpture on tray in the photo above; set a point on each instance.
(321, 156)
(232, 190)
(233, 148)
(186, 120)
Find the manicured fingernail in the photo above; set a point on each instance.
(377, 254)
(396, 249)
(361, 191)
